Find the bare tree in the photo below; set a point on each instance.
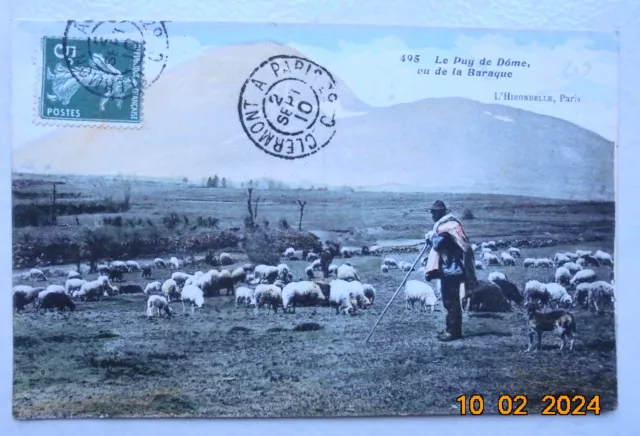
(302, 204)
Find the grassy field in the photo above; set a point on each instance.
(108, 359)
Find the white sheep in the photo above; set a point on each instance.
(486, 250)
(374, 250)
(479, 265)
(289, 252)
(72, 285)
(266, 273)
(496, 275)
(103, 268)
(390, 262)
(159, 303)
(369, 292)
(558, 294)
(507, 259)
(246, 296)
(224, 273)
(316, 265)
(491, 259)
(283, 271)
(581, 262)
(600, 292)
(174, 263)
(405, 266)
(534, 290)
(170, 289)
(563, 275)
(580, 296)
(132, 265)
(36, 274)
(515, 252)
(153, 287)
(346, 252)
(347, 273)
(572, 267)
(416, 291)
(312, 257)
(192, 295)
(74, 275)
(119, 265)
(159, 263)
(305, 293)
(356, 292)
(238, 274)
(180, 277)
(340, 297)
(582, 253)
(604, 258)
(583, 276)
(544, 263)
(560, 259)
(269, 295)
(572, 256)
(225, 259)
(384, 269)
(333, 269)
(529, 263)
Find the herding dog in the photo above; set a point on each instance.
(560, 321)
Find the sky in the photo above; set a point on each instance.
(368, 60)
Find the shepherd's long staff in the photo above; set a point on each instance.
(426, 245)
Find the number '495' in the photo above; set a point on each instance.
(410, 58)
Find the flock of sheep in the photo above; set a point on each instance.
(274, 287)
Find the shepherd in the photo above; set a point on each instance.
(451, 260)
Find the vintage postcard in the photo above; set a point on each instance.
(287, 220)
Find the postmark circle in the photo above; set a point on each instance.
(287, 107)
(111, 59)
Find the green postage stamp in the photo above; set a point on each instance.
(88, 81)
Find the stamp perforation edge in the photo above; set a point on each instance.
(37, 60)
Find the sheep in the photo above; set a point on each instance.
(246, 296)
(174, 263)
(333, 269)
(23, 295)
(544, 263)
(266, 273)
(340, 297)
(416, 291)
(130, 289)
(312, 257)
(346, 252)
(316, 265)
(193, 295)
(491, 259)
(534, 290)
(74, 275)
(305, 293)
(309, 272)
(170, 289)
(283, 272)
(384, 269)
(582, 253)
(509, 290)
(180, 277)
(103, 269)
(289, 252)
(560, 259)
(146, 272)
(247, 267)
(572, 256)
(600, 292)
(159, 263)
(563, 275)
(572, 267)
(238, 275)
(507, 259)
(558, 295)
(529, 263)
(73, 285)
(589, 261)
(581, 294)
(218, 283)
(583, 276)
(225, 259)
(390, 263)
(269, 295)
(37, 274)
(603, 257)
(580, 262)
(347, 273)
(374, 250)
(95, 289)
(369, 292)
(405, 266)
(514, 252)
(19, 300)
(479, 265)
(132, 265)
(356, 292)
(496, 275)
(56, 300)
(116, 275)
(488, 297)
(224, 273)
(159, 303)
(119, 265)
(153, 287)
(50, 290)
(486, 250)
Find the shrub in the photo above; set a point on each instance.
(467, 214)
(261, 246)
(284, 224)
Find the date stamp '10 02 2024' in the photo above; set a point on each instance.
(91, 81)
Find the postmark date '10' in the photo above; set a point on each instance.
(519, 404)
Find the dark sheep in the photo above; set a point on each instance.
(239, 278)
(104, 270)
(19, 301)
(590, 261)
(488, 297)
(218, 284)
(510, 291)
(56, 300)
(310, 273)
(146, 272)
(115, 275)
(130, 289)
(326, 289)
(365, 250)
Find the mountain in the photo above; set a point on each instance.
(191, 129)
